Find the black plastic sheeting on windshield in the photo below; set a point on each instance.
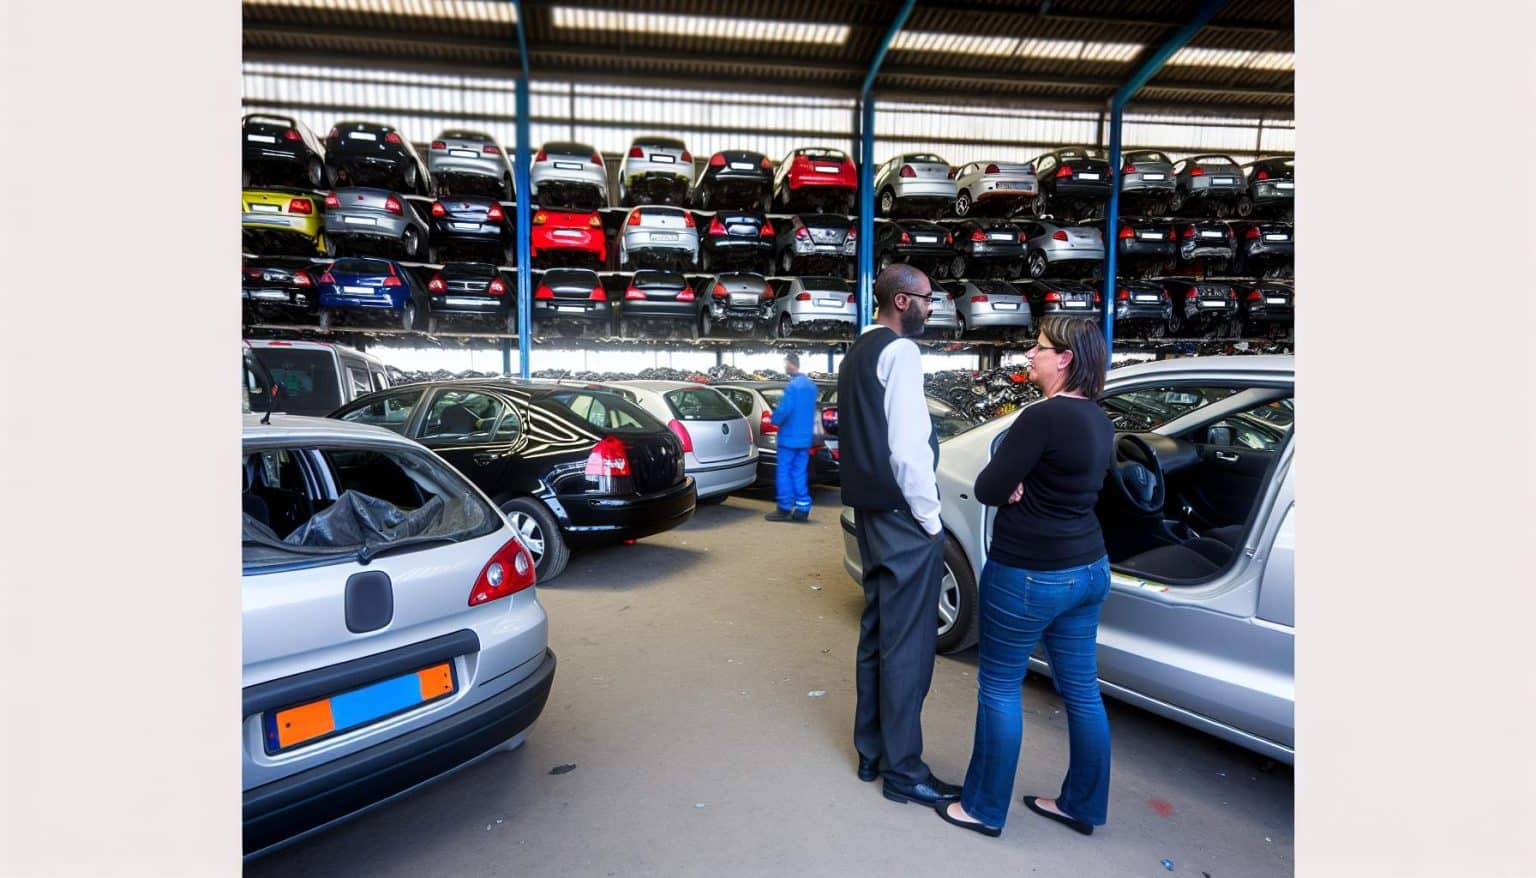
(357, 520)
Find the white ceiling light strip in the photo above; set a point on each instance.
(467, 10)
(746, 29)
(1235, 58)
(963, 44)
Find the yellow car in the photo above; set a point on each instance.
(282, 221)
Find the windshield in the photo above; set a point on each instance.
(306, 380)
(700, 404)
(948, 422)
(1148, 409)
(606, 411)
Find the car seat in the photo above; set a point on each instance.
(251, 503)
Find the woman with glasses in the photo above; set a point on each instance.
(1046, 576)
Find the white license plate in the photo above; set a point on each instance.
(464, 153)
(1222, 181)
(1148, 297)
(1075, 304)
(358, 291)
(829, 303)
(827, 169)
(1152, 236)
(571, 309)
(1213, 304)
(362, 135)
(1154, 176)
(925, 239)
(467, 227)
(360, 220)
(663, 236)
(568, 233)
(664, 159)
(1285, 185)
(568, 166)
(1005, 306)
(1088, 176)
(1277, 237)
(742, 166)
(261, 138)
(1210, 234)
(266, 208)
(1000, 236)
(1275, 300)
(462, 301)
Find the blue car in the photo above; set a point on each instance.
(371, 286)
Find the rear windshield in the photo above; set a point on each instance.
(364, 266)
(995, 287)
(608, 412)
(645, 278)
(815, 152)
(385, 499)
(826, 394)
(926, 157)
(1081, 154)
(461, 134)
(661, 142)
(1148, 157)
(306, 381)
(700, 404)
(570, 277)
(828, 284)
(459, 270)
(1215, 161)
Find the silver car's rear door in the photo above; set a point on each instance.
(717, 429)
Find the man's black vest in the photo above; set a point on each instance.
(864, 450)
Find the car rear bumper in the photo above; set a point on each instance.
(1134, 247)
(310, 799)
(1134, 186)
(734, 246)
(597, 520)
(1005, 190)
(998, 250)
(382, 226)
(482, 233)
(1056, 308)
(494, 306)
(478, 167)
(556, 177)
(635, 308)
(308, 227)
(1272, 250)
(999, 319)
(1143, 311)
(1212, 252)
(1194, 312)
(261, 152)
(923, 251)
(575, 309)
(822, 181)
(716, 478)
(1074, 254)
(1225, 192)
(372, 303)
(943, 321)
(544, 240)
(1082, 189)
(288, 296)
(1265, 313)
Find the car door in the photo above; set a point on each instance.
(474, 431)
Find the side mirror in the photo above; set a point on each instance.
(1222, 435)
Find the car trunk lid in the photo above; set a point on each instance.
(717, 430)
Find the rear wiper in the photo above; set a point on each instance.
(368, 553)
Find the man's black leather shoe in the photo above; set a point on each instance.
(868, 769)
(930, 793)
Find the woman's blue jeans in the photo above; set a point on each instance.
(1018, 608)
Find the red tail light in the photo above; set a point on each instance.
(636, 152)
(1262, 175)
(634, 293)
(1189, 231)
(335, 133)
(1059, 235)
(300, 279)
(608, 458)
(598, 295)
(595, 221)
(1023, 237)
(953, 172)
(1232, 293)
(853, 234)
(950, 239)
(829, 422)
(688, 219)
(597, 158)
(803, 297)
(301, 205)
(1128, 169)
(437, 285)
(716, 227)
(767, 292)
(541, 156)
(1191, 294)
(992, 169)
(326, 277)
(543, 293)
(634, 218)
(438, 144)
(490, 149)
(1252, 234)
(686, 295)
(1255, 295)
(766, 164)
(392, 137)
(438, 209)
(906, 238)
(850, 297)
(291, 134)
(508, 572)
(802, 232)
(1173, 234)
(392, 204)
(331, 200)
(494, 212)
(497, 287)
(1053, 296)
(769, 427)
(1063, 171)
(677, 427)
(767, 231)
(1123, 295)
(978, 235)
(1197, 171)
(979, 299)
(392, 281)
(1098, 298)
(540, 218)
(720, 292)
(687, 157)
(717, 160)
(848, 166)
(906, 171)
(1126, 232)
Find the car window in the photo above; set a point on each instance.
(458, 416)
(1263, 427)
(607, 411)
(773, 396)
(699, 404)
(359, 381)
(1148, 408)
(380, 380)
(1179, 168)
(826, 394)
(947, 420)
(741, 399)
(1215, 161)
(391, 412)
(1045, 164)
(306, 379)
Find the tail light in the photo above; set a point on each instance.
(834, 454)
(950, 239)
(598, 295)
(543, 293)
(686, 295)
(1123, 296)
(716, 227)
(595, 221)
(301, 205)
(636, 152)
(1128, 169)
(767, 231)
(494, 212)
(1059, 235)
(1173, 233)
(1262, 175)
(508, 572)
(541, 156)
(978, 235)
(850, 297)
(1126, 232)
(497, 287)
(291, 134)
(331, 200)
(490, 149)
(802, 232)
(540, 218)
(436, 284)
(300, 279)
(634, 218)
(392, 281)
(438, 144)
(1191, 294)
(767, 292)
(992, 169)
(1023, 237)
(1098, 297)
(1232, 293)
(803, 297)
(392, 137)
(717, 160)
(953, 172)
(769, 427)
(853, 234)
(686, 156)
(1254, 295)
(677, 427)
(1252, 234)
(906, 171)
(1197, 171)
(1063, 171)
(766, 164)
(829, 422)
(438, 209)
(597, 158)
(1053, 296)
(906, 238)
(1189, 231)
(688, 219)
(720, 292)
(608, 458)
(978, 299)
(634, 293)
(392, 204)
(335, 133)
(326, 277)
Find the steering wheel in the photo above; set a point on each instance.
(1138, 474)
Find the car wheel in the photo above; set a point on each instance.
(509, 254)
(433, 324)
(315, 172)
(963, 204)
(1037, 263)
(1157, 330)
(706, 325)
(957, 601)
(887, 203)
(957, 266)
(1176, 201)
(511, 324)
(765, 202)
(1039, 204)
(706, 262)
(960, 322)
(886, 260)
(410, 243)
(409, 177)
(507, 190)
(541, 534)
(1244, 206)
(787, 262)
(1014, 268)
(785, 326)
(1222, 209)
(245, 178)
(434, 254)
(326, 244)
(325, 317)
(408, 317)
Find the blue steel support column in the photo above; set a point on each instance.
(524, 214)
(866, 251)
(1148, 68)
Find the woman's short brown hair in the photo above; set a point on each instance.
(1085, 339)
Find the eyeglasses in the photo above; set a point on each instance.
(911, 295)
(1034, 349)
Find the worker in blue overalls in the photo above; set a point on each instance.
(795, 418)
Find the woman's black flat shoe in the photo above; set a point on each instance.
(942, 809)
(1078, 825)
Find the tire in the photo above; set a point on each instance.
(887, 203)
(787, 261)
(706, 325)
(1176, 201)
(706, 261)
(960, 319)
(957, 266)
(1037, 263)
(507, 191)
(626, 328)
(511, 324)
(703, 199)
(245, 178)
(885, 261)
(765, 203)
(1040, 204)
(1014, 269)
(434, 254)
(509, 253)
(785, 327)
(410, 243)
(541, 534)
(1157, 330)
(325, 317)
(849, 203)
(410, 317)
(315, 174)
(963, 203)
(433, 324)
(1244, 206)
(326, 244)
(958, 603)
(410, 177)
(1222, 209)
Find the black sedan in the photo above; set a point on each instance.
(1074, 182)
(736, 239)
(1267, 307)
(280, 150)
(1263, 247)
(1143, 240)
(571, 301)
(279, 287)
(471, 225)
(1142, 309)
(658, 303)
(1205, 243)
(1209, 184)
(987, 248)
(472, 291)
(1203, 308)
(735, 178)
(370, 154)
(735, 301)
(923, 243)
(812, 243)
(1062, 296)
(569, 467)
(1271, 188)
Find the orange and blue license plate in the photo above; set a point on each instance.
(306, 723)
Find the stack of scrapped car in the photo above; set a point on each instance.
(1146, 182)
(572, 302)
(472, 292)
(737, 239)
(915, 184)
(470, 225)
(1143, 308)
(659, 237)
(1074, 182)
(361, 222)
(1203, 309)
(1204, 246)
(279, 287)
(1145, 245)
(282, 221)
(994, 188)
(1268, 308)
(813, 306)
(1264, 248)
(1207, 185)
(824, 243)
(568, 238)
(987, 248)
(280, 150)
(656, 170)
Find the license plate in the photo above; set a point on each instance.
(261, 138)
(1154, 176)
(663, 236)
(1213, 304)
(358, 291)
(1211, 234)
(1222, 181)
(1152, 236)
(462, 301)
(664, 159)
(925, 239)
(266, 208)
(464, 153)
(1148, 297)
(1000, 236)
(363, 135)
(568, 166)
(267, 295)
(742, 166)
(360, 220)
(1285, 185)
(467, 227)
(304, 723)
(1076, 304)
(1276, 300)
(1277, 237)
(827, 169)
(571, 309)
(1088, 176)
(829, 303)
(569, 233)
(1005, 306)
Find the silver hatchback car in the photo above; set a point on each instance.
(656, 169)
(992, 307)
(718, 449)
(1053, 247)
(465, 162)
(659, 237)
(1146, 180)
(566, 174)
(355, 217)
(993, 187)
(390, 628)
(1200, 623)
(915, 182)
(813, 304)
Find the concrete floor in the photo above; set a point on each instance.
(681, 697)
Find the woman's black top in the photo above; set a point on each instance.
(1060, 450)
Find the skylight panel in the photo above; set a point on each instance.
(469, 10)
(963, 44)
(713, 27)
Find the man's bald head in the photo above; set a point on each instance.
(898, 278)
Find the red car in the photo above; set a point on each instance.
(816, 178)
(566, 238)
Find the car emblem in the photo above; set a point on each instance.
(725, 429)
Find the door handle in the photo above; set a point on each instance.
(486, 458)
(1226, 456)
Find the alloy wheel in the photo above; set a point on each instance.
(533, 536)
(949, 601)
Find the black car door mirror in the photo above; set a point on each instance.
(1221, 435)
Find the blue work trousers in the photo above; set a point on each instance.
(791, 484)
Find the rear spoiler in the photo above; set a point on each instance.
(270, 117)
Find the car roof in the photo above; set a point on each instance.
(302, 428)
(1256, 366)
(658, 385)
(279, 343)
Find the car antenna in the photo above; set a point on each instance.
(266, 379)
